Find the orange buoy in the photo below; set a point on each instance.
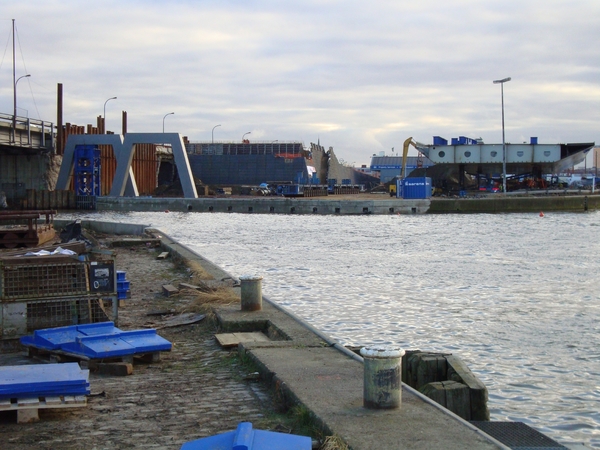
(542, 214)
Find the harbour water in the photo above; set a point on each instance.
(516, 296)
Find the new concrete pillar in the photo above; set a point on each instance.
(382, 376)
(251, 287)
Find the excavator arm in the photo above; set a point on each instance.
(407, 143)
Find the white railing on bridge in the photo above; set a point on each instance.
(32, 133)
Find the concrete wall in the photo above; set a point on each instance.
(21, 172)
(105, 227)
(509, 204)
(261, 205)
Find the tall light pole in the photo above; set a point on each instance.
(501, 82)
(213, 134)
(104, 115)
(168, 114)
(14, 135)
(244, 135)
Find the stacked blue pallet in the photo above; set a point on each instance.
(43, 380)
(122, 285)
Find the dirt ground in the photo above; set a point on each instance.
(196, 390)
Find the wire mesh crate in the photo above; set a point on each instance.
(49, 291)
(21, 278)
(18, 318)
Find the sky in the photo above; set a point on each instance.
(360, 77)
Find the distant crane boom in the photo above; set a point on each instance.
(407, 143)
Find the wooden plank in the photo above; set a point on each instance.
(29, 402)
(43, 403)
(188, 286)
(53, 401)
(201, 288)
(28, 415)
(169, 289)
(227, 340)
(183, 319)
(163, 255)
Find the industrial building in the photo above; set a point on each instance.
(246, 163)
(390, 167)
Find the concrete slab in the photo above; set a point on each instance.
(271, 321)
(228, 340)
(330, 385)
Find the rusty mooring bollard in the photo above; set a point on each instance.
(251, 287)
(382, 377)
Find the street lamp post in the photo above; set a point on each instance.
(14, 135)
(213, 134)
(168, 114)
(244, 135)
(501, 83)
(104, 115)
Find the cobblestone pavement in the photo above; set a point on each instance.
(196, 390)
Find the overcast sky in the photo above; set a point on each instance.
(360, 77)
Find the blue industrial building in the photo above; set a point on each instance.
(246, 163)
(390, 167)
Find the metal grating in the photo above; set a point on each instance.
(59, 313)
(518, 435)
(20, 281)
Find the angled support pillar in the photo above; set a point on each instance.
(66, 168)
(179, 155)
(124, 148)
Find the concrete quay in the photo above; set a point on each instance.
(360, 204)
(307, 368)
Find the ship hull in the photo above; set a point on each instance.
(520, 158)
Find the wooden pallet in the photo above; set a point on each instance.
(28, 408)
(59, 356)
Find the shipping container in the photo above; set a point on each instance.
(414, 188)
(438, 140)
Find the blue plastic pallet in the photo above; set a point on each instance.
(43, 380)
(97, 341)
(55, 338)
(245, 438)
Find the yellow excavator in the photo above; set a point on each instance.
(408, 142)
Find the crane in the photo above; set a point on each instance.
(407, 143)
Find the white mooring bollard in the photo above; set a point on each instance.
(382, 376)
(251, 287)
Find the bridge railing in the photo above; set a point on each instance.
(28, 132)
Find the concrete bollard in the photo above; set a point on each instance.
(382, 377)
(251, 287)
